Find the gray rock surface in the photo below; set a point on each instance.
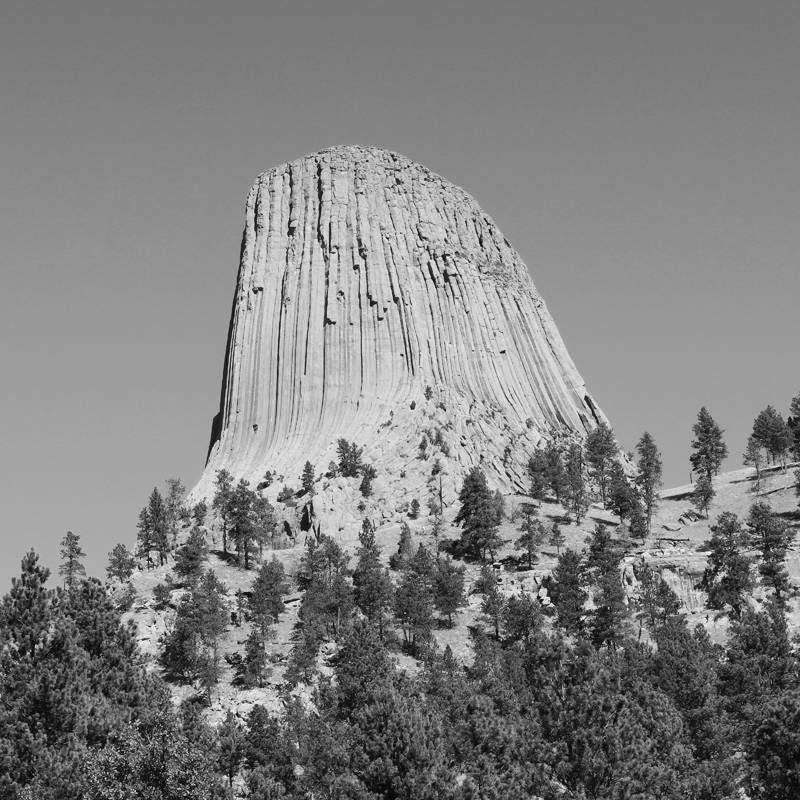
(365, 278)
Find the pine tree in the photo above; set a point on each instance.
(231, 738)
(368, 475)
(660, 606)
(371, 581)
(120, 563)
(537, 469)
(252, 669)
(533, 534)
(603, 562)
(176, 494)
(189, 558)
(479, 515)
(158, 525)
(556, 538)
(242, 522)
(522, 617)
(71, 569)
(753, 457)
(727, 579)
(793, 423)
(773, 753)
(405, 549)
(349, 458)
(577, 495)
(493, 607)
(567, 593)
(703, 494)
(554, 470)
(648, 476)
(772, 433)
(621, 497)
(266, 594)
(222, 502)
(448, 588)
(307, 478)
(264, 523)
(709, 448)
(413, 609)
(771, 536)
(601, 452)
(199, 513)
(144, 537)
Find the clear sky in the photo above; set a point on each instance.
(644, 158)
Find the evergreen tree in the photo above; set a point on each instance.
(405, 549)
(71, 679)
(556, 538)
(371, 582)
(368, 475)
(221, 503)
(266, 595)
(242, 521)
(191, 648)
(349, 458)
(144, 537)
(307, 478)
(176, 494)
(264, 522)
(603, 562)
(533, 534)
(753, 457)
(577, 495)
(494, 607)
(601, 452)
(554, 470)
(231, 736)
(537, 469)
(120, 563)
(793, 423)
(158, 525)
(199, 513)
(703, 494)
(413, 608)
(522, 617)
(772, 433)
(660, 606)
(774, 748)
(709, 448)
(648, 476)
(71, 569)
(328, 600)
(189, 558)
(771, 536)
(479, 515)
(154, 760)
(567, 593)
(449, 588)
(727, 578)
(621, 497)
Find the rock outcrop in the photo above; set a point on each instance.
(364, 279)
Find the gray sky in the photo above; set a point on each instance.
(644, 158)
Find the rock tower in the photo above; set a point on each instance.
(377, 302)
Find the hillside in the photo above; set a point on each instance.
(674, 548)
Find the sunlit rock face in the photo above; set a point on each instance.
(365, 278)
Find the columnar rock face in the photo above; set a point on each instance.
(365, 278)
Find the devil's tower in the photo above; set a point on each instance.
(364, 279)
